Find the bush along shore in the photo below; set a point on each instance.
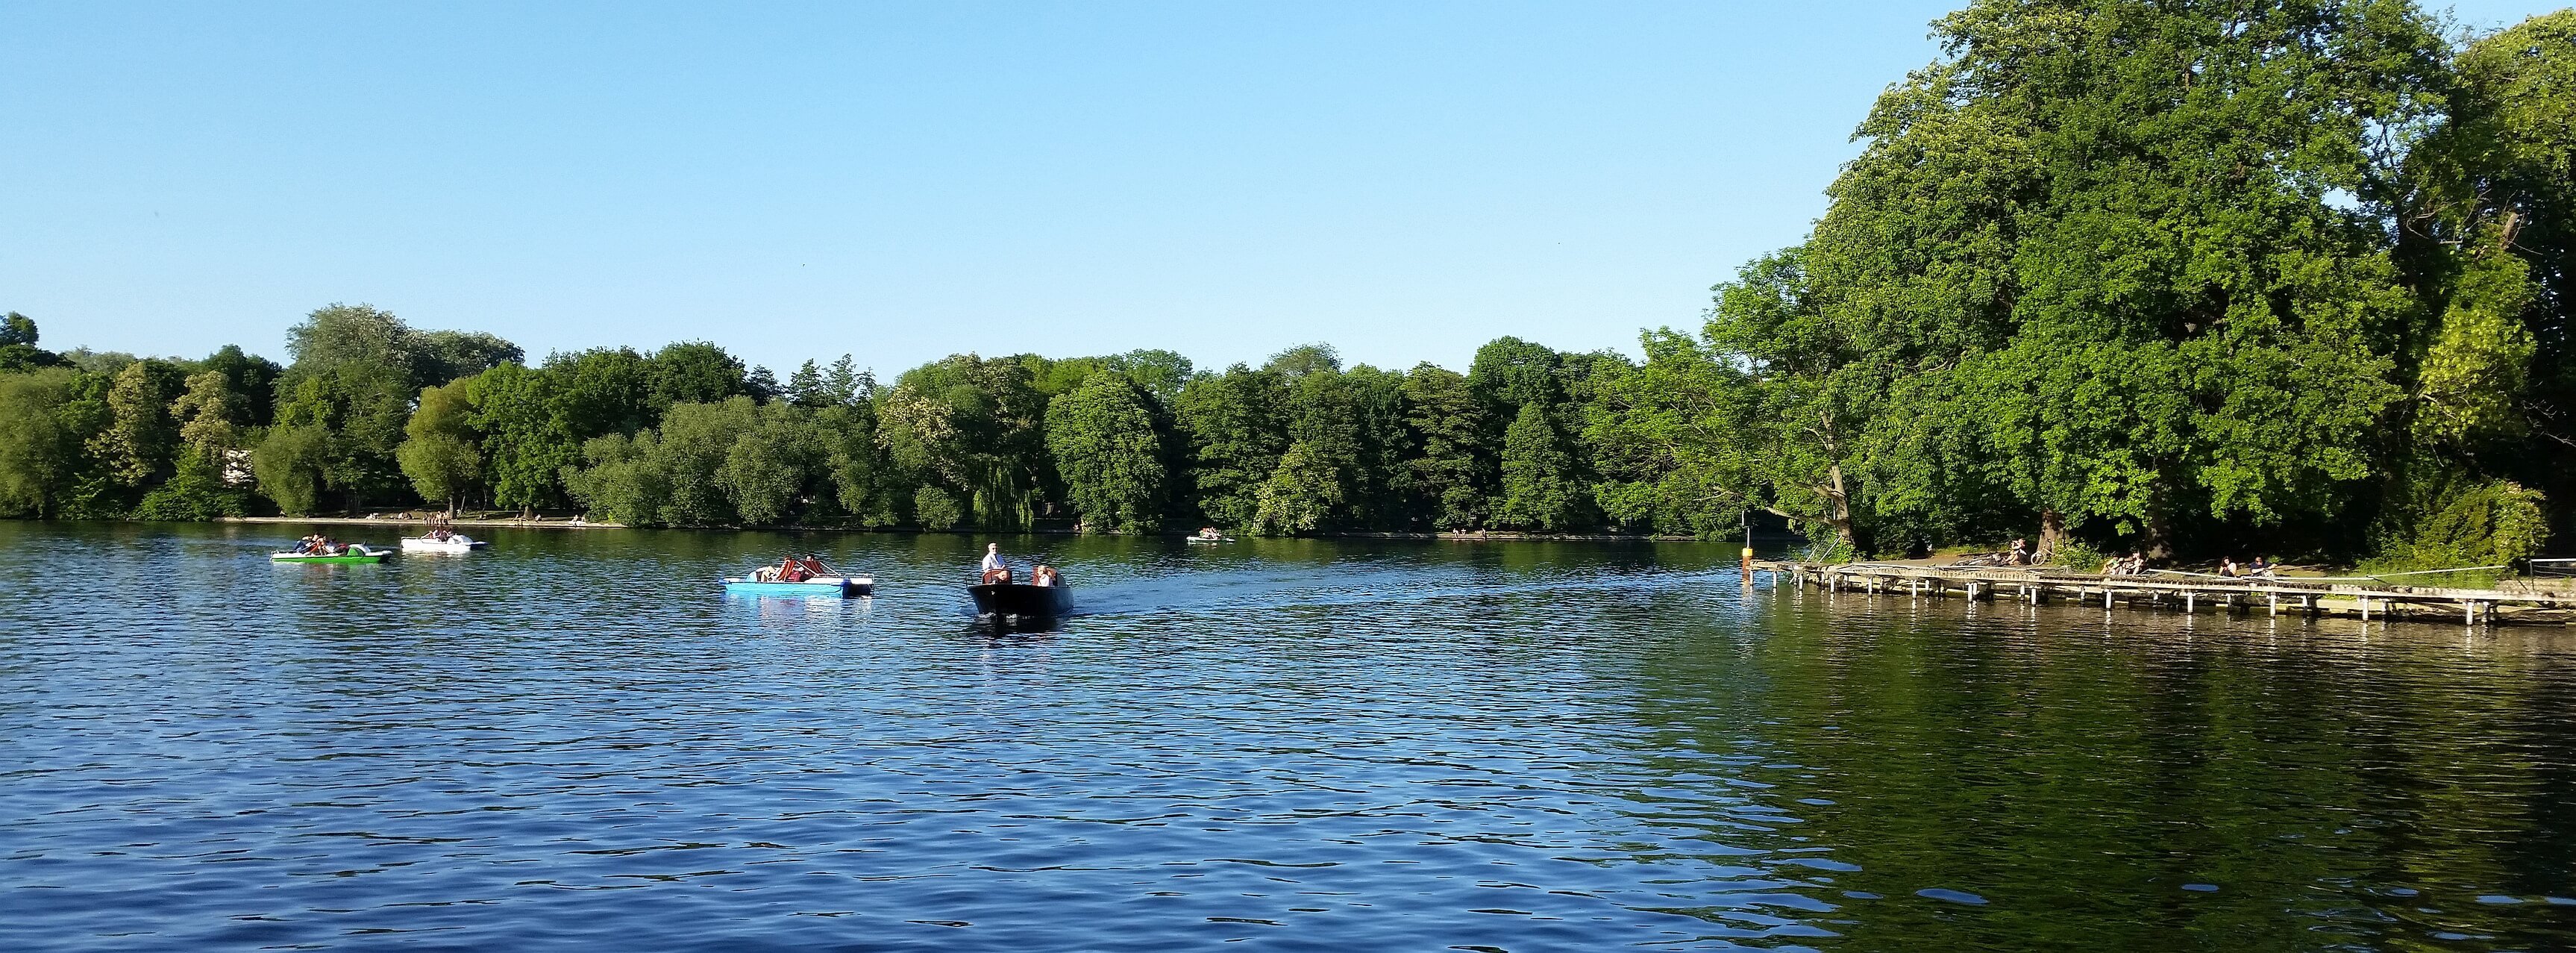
(2189, 280)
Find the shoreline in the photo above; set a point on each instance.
(543, 522)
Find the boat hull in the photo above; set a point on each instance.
(345, 558)
(460, 544)
(825, 587)
(1021, 600)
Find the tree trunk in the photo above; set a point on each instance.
(2158, 540)
(2052, 531)
(1838, 508)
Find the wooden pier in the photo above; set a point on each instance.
(2372, 599)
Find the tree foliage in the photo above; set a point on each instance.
(1108, 445)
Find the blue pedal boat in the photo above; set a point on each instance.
(819, 587)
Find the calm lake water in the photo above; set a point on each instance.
(575, 741)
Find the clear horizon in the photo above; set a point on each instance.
(905, 183)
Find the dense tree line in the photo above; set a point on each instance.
(2188, 277)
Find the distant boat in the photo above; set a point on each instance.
(1019, 601)
(451, 543)
(1210, 540)
(356, 553)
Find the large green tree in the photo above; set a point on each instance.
(440, 453)
(1451, 469)
(1236, 432)
(1109, 448)
(40, 451)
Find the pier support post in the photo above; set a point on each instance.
(2276, 604)
(2187, 601)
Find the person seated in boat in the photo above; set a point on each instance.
(1209, 532)
(997, 574)
(791, 569)
(1044, 575)
(814, 566)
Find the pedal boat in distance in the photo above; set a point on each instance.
(356, 553)
(452, 543)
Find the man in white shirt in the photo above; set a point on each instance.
(992, 561)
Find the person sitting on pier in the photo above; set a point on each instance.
(2020, 555)
(2227, 568)
(2261, 570)
(2135, 565)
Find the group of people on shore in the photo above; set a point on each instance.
(2258, 569)
(2133, 564)
(995, 569)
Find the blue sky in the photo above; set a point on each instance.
(904, 181)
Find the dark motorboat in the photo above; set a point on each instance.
(1018, 600)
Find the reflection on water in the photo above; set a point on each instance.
(575, 740)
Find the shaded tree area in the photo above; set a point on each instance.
(2187, 278)
(2180, 277)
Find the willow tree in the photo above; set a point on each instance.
(973, 428)
(2489, 236)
